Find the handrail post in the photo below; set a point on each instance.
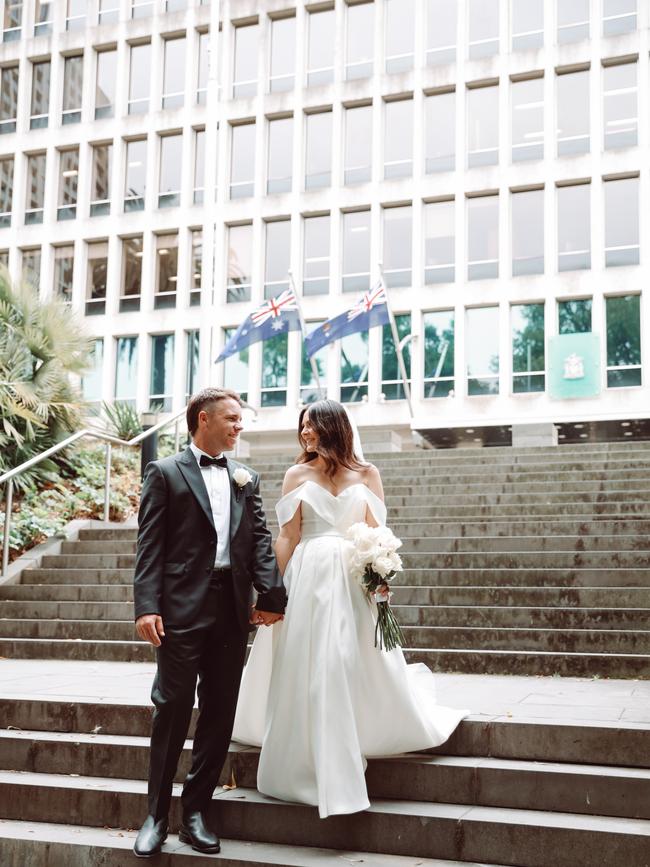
(9, 493)
(107, 484)
(177, 437)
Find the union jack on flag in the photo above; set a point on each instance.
(275, 307)
(273, 317)
(369, 311)
(377, 295)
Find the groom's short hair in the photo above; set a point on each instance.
(202, 400)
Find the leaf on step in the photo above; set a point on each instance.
(14, 729)
(232, 784)
(96, 730)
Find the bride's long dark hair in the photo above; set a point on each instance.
(335, 438)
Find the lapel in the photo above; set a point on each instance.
(192, 474)
(236, 501)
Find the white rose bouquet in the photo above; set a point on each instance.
(374, 561)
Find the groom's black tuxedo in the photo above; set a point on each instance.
(205, 615)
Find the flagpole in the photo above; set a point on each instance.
(312, 360)
(396, 341)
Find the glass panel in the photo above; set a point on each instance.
(96, 278)
(622, 222)
(573, 113)
(527, 24)
(68, 180)
(440, 132)
(441, 31)
(274, 370)
(358, 144)
(140, 79)
(356, 251)
(528, 361)
(141, 8)
(174, 74)
(574, 317)
(354, 367)
(171, 160)
(202, 73)
(100, 194)
(6, 190)
(105, 84)
(242, 161)
(240, 256)
(360, 41)
(572, 20)
(40, 102)
(109, 11)
(235, 368)
(196, 266)
(126, 364)
(283, 54)
(439, 354)
(398, 139)
(63, 272)
(277, 257)
(136, 175)
(619, 16)
(280, 160)
(527, 119)
(482, 349)
(166, 270)
(483, 28)
(35, 194)
(8, 98)
(483, 237)
(483, 126)
(316, 256)
(392, 387)
(75, 14)
(397, 246)
(31, 267)
(72, 89)
(199, 166)
(322, 39)
(91, 382)
(574, 227)
(245, 70)
(192, 363)
(43, 17)
(528, 232)
(623, 341)
(318, 159)
(308, 386)
(131, 273)
(162, 366)
(439, 242)
(399, 23)
(12, 20)
(620, 106)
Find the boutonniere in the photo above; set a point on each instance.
(241, 478)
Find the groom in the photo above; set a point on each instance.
(202, 546)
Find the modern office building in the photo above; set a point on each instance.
(165, 164)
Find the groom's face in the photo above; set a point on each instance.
(219, 426)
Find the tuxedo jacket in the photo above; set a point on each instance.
(177, 543)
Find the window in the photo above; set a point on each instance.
(8, 98)
(91, 382)
(527, 232)
(244, 80)
(196, 266)
(35, 194)
(527, 331)
(169, 182)
(166, 270)
(439, 242)
(12, 23)
(199, 166)
(574, 316)
(131, 274)
(573, 113)
(100, 194)
(105, 83)
(623, 340)
(72, 89)
(192, 345)
(392, 386)
(620, 112)
(141, 8)
(126, 368)
(441, 31)
(354, 367)
(622, 222)
(109, 11)
(43, 17)
(527, 131)
(174, 74)
(6, 190)
(399, 34)
(68, 180)
(318, 158)
(320, 53)
(96, 277)
(31, 267)
(574, 227)
(4, 258)
(75, 18)
(135, 185)
(572, 20)
(40, 102)
(439, 354)
(63, 271)
(356, 251)
(440, 132)
(359, 40)
(483, 28)
(175, 5)
(277, 257)
(274, 370)
(483, 126)
(619, 16)
(242, 161)
(240, 257)
(482, 350)
(280, 157)
(309, 391)
(527, 24)
(398, 227)
(283, 54)
(235, 368)
(139, 78)
(482, 237)
(316, 256)
(358, 145)
(202, 71)
(161, 384)
(398, 139)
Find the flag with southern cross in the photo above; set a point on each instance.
(275, 316)
(370, 310)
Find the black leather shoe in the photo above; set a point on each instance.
(150, 837)
(195, 832)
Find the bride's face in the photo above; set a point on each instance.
(308, 434)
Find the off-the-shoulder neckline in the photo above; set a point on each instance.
(334, 496)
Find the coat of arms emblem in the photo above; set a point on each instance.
(574, 367)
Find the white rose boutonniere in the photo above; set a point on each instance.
(241, 477)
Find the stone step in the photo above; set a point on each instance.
(74, 630)
(59, 573)
(561, 598)
(407, 486)
(559, 577)
(623, 497)
(576, 511)
(68, 592)
(52, 610)
(78, 649)
(405, 828)
(524, 617)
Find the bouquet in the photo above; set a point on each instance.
(374, 562)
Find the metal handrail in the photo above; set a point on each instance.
(110, 441)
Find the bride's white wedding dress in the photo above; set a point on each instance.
(316, 695)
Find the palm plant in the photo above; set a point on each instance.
(123, 419)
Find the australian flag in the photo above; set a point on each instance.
(369, 311)
(276, 316)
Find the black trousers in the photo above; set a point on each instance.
(212, 652)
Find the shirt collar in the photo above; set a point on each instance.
(197, 452)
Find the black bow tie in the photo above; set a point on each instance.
(205, 461)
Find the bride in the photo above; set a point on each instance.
(317, 695)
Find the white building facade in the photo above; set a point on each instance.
(164, 165)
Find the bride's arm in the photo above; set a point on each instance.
(289, 534)
(373, 481)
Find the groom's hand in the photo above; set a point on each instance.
(150, 628)
(264, 618)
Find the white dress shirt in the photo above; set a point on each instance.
(217, 483)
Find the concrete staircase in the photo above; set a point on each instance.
(520, 561)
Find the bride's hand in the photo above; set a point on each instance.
(264, 618)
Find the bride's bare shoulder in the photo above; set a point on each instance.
(294, 477)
